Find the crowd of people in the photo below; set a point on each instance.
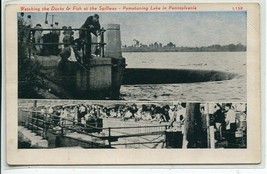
(226, 118)
(82, 114)
(221, 116)
(65, 41)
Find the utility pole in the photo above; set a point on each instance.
(46, 21)
(52, 18)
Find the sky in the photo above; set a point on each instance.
(192, 29)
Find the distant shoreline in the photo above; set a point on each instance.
(173, 48)
(151, 51)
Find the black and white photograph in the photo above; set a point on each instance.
(153, 125)
(104, 84)
(144, 56)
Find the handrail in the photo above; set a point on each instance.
(128, 127)
(86, 44)
(92, 43)
(145, 142)
(67, 29)
(32, 123)
(137, 127)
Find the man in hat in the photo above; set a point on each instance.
(92, 26)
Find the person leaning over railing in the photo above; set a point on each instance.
(91, 25)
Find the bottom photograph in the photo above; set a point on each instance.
(133, 125)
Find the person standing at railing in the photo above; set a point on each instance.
(55, 38)
(56, 116)
(67, 63)
(28, 26)
(21, 19)
(49, 39)
(64, 116)
(133, 110)
(74, 114)
(61, 37)
(77, 49)
(21, 27)
(92, 25)
(81, 113)
(48, 120)
(45, 39)
(230, 125)
(219, 120)
(28, 35)
(147, 113)
(37, 38)
(165, 112)
(68, 33)
(178, 118)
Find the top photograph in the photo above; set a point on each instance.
(133, 56)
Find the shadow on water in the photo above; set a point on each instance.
(134, 76)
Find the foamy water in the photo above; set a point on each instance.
(231, 90)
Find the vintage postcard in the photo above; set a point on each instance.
(133, 84)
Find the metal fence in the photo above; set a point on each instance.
(133, 135)
(31, 43)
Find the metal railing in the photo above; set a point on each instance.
(42, 123)
(86, 45)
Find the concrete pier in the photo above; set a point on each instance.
(100, 78)
(113, 50)
(94, 81)
(113, 40)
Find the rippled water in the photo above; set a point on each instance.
(230, 90)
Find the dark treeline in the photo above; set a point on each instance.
(170, 47)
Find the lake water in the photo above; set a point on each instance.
(217, 91)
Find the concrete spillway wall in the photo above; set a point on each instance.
(99, 80)
(103, 79)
